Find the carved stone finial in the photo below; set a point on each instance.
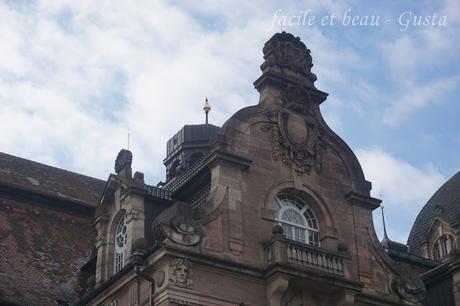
(288, 57)
(123, 162)
(342, 247)
(207, 109)
(138, 179)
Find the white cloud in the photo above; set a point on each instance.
(423, 46)
(416, 97)
(417, 53)
(77, 76)
(400, 183)
(403, 187)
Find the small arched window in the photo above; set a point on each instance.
(297, 219)
(121, 238)
(442, 247)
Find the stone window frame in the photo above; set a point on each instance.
(328, 232)
(438, 228)
(117, 251)
(306, 228)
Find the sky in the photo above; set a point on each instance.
(77, 76)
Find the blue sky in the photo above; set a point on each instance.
(77, 76)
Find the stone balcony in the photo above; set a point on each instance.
(282, 251)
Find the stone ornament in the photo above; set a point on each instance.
(409, 287)
(295, 133)
(159, 278)
(287, 55)
(181, 273)
(178, 225)
(124, 160)
(183, 231)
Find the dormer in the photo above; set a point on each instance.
(126, 206)
(439, 240)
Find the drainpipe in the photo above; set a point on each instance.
(136, 259)
(147, 278)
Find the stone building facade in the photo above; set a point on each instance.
(272, 209)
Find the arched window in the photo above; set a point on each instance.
(121, 238)
(442, 247)
(297, 219)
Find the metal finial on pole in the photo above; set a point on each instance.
(383, 221)
(207, 109)
(128, 141)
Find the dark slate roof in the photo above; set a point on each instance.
(42, 251)
(192, 133)
(46, 180)
(393, 245)
(445, 201)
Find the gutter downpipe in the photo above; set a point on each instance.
(147, 278)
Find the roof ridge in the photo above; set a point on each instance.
(50, 166)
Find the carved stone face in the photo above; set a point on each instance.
(182, 272)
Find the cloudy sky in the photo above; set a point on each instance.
(77, 76)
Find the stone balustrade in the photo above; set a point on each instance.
(288, 252)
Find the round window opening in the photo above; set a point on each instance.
(297, 219)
